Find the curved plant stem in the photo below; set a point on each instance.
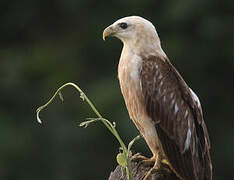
(107, 123)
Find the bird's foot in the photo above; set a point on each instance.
(138, 157)
(166, 164)
(149, 162)
(142, 160)
(155, 161)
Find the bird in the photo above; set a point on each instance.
(165, 110)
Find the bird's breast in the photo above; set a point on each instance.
(129, 78)
(130, 84)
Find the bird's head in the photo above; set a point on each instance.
(135, 32)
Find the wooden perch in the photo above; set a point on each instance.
(138, 171)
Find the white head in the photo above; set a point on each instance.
(136, 33)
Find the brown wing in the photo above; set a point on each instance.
(178, 119)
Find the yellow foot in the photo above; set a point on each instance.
(156, 160)
(164, 161)
(163, 165)
(138, 157)
(166, 165)
(143, 160)
(149, 162)
(148, 174)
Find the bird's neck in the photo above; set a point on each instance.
(144, 47)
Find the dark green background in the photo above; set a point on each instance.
(44, 44)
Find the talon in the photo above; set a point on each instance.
(142, 160)
(156, 159)
(164, 161)
(138, 157)
(166, 165)
(149, 162)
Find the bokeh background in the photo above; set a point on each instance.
(44, 44)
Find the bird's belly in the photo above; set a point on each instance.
(134, 100)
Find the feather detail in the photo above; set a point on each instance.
(178, 119)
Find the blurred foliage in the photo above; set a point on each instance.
(44, 44)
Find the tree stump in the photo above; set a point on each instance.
(138, 171)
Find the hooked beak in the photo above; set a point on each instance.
(109, 31)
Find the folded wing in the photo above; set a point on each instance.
(178, 118)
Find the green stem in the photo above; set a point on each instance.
(112, 128)
(108, 125)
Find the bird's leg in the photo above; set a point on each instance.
(142, 160)
(150, 161)
(165, 162)
(138, 157)
(156, 159)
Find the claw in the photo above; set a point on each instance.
(138, 157)
(149, 162)
(156, 160)
(164, 161)
(142, 160)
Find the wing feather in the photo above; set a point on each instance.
(178, 119)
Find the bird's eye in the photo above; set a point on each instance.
(123, 25)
